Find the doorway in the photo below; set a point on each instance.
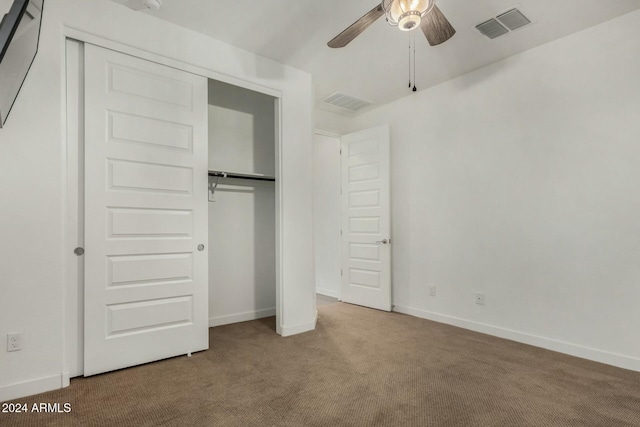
(352, 218)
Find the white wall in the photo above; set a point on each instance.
(33, 176)
(242, 262)
(329, 122)
(5, 5)
(241, 130)
(520, 180)
(242, 240)
(326, 214)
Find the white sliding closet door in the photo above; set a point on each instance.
(146, 211)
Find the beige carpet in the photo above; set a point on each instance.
(360, 367)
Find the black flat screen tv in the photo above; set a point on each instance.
(19, 36)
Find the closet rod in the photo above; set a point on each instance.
(220, 174)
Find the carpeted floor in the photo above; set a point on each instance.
(360, 367)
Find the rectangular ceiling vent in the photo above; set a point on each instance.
(346, 102)
(513, 19)
(503, 24)
(492, 29)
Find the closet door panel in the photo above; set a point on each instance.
(136, 130)
(146, 287)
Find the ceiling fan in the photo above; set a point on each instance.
(406, 15)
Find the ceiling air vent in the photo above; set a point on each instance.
(346, 102)
(492, 29)
(503, 24)
(514, 19)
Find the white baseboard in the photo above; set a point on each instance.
(241, 317)
(614, 359)
(28, 388)
(287, 331)
(327, 292)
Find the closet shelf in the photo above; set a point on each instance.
(234, 175)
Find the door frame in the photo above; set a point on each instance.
(73, 186)
(338, 195)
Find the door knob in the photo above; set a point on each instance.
(383, 241)
(201, 247)
(78, 251)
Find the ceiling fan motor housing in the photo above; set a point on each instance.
(409, 20)
(406, 14)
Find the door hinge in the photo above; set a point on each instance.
(341, 232)
(341, 272)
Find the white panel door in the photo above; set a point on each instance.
(366, 219)
(145, 211)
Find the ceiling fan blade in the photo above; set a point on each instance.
(436, 27)
(355, 29)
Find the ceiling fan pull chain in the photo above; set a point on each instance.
(414, 62)
(409, 63)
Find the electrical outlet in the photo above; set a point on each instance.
(480, 298)
(14, 341)
(432, 291)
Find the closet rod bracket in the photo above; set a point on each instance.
(215, 186)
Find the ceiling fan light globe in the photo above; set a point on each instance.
(397, 10)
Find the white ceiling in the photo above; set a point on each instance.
(375, 66)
